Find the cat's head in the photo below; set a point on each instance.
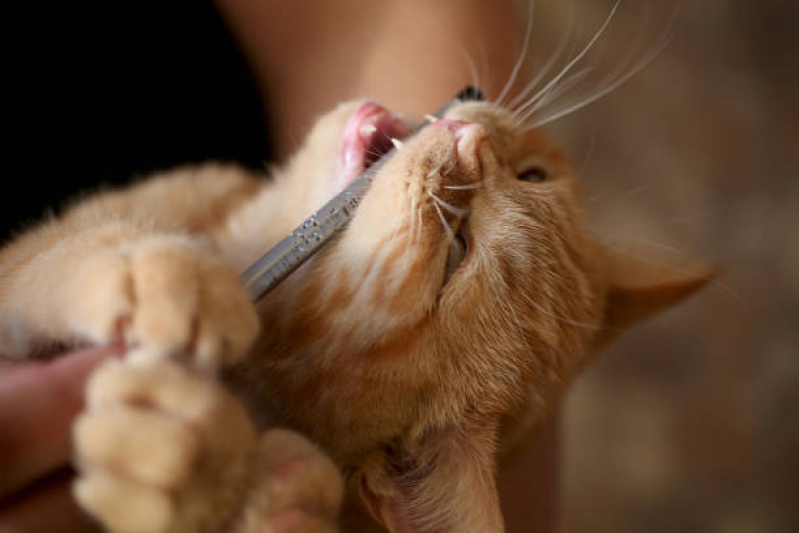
(465, 286)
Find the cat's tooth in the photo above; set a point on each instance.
(368, 129)
(432, 119)
(397, 143)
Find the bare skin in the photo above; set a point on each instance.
(410, 55)
(37, 404)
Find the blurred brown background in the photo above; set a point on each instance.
(691, 422)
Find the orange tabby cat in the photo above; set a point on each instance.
(464, 295)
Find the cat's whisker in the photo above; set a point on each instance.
(436, 170)
(450, 233)
(419, 225)
(670, 266)
(399, 218)
(522, 56)
(558, 318)
(662, 42)
(485, 68)
(457, 211)
(574, 60)
(556, 91)
(472, 69)
(623, 194)
(415, 221)
(553, 59)
(586, 158)
(620, 70)
(518, 324)
(468, 187)
(412, 219)
(453, 161)
(688, 219)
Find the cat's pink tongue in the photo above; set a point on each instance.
(367, 136)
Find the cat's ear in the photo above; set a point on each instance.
(642, 283)
(444, 483)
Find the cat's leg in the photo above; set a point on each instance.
(164, 449)
(150, 265)
(167, 292)
(296, 486)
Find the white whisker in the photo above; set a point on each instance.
(450, 233)
(624, 194)
(522, 56)
(560, 318)
(472, 70)
(555, 92)
(661, 264)
(396, 223)
(574, 61)
(419, 226)
(587, 156)
(435, 170)
(547, 66)
(475, 185)
(519, 327)
(485, 66)
(662, 42)
(457, 211)
(412, 219)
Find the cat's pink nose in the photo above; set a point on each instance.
(451, 124)
(466, 133)
(469, 138)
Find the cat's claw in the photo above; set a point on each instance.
(167, 296)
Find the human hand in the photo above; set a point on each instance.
(38, 402)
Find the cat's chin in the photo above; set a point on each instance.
(367, 137)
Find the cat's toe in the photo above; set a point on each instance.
(189, 303)
(124, 506)
(138, 443)
(299, 488)
(228, 323)
(100, 298)
(165, 294)
(154, 429)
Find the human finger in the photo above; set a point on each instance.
(45, 507)
(37, 404)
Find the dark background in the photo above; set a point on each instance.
(99, 93)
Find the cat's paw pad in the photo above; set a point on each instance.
(298, 488)
(166, 295)
(160, 449)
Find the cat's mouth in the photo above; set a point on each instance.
(370, 133)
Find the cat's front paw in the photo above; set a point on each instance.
(297, 488)
(166, 295)
(161, 449)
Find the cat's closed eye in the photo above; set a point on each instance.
(535, 174)
(458, 250)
